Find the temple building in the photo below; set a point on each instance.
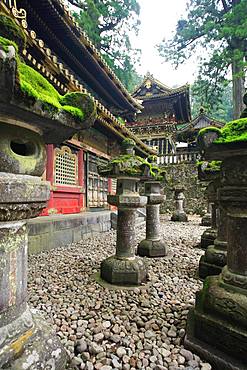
(189, 132)
(165, 110)
(61, 51)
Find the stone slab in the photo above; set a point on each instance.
(48, 232)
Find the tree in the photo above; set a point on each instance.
(108, 23)
(222, 111)
(218, 30)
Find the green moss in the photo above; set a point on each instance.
(34, 85)
(234, 131)
(212, 166)
(132, 165)
(4, 43)
(208, 129)
(11, 30)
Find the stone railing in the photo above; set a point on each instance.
(183, 157)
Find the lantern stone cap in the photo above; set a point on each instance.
(218, 144)
(28, 100)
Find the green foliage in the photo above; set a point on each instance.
(10, 30)
(218, 30)
(108, 24)
(203, 96)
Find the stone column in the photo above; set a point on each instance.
(209, 235)
(179, 214)
(216, 255)
(25, 339)
(217, 327)
(207, 218)
(124, 268)
(153, 245)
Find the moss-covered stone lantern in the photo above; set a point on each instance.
(179, 214)
(153, 245)
(217, 326)
(30, 117)
(210, 173)
(124, 268)
(216, 251)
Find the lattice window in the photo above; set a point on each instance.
(65, 167)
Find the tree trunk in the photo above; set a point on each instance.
(237, 90)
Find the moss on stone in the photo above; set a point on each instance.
(34, 85)
(5, 43)
(10, 30)
(232, 132)
(132, 165)
(211, 166)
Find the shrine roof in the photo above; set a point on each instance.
(201, 121)
(40, 55)
(62, 34)
(152, 92)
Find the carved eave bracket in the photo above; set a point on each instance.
(19, 109)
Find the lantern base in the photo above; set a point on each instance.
(35, 348)
(216, 327)
(152, 248)
(179, 217)
(125, 272)
(208, 238)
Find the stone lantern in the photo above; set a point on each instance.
(179, 213)
(210, 173)
(217, 326)
(124, 268)
(26, 125)
(153, 245)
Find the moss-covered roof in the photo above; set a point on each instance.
(35, 86)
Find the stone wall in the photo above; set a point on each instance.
(185, 174)
(48, 232)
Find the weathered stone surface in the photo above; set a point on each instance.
(179, 214)
(21, 196)
(21, 151)
(217, 325)
(187, 175)
(153, 245)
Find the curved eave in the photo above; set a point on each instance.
(65, 41)
(121, 132)
(181, 103)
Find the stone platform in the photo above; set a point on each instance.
(49, 232)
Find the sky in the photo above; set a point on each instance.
(158, 20)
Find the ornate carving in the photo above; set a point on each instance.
(20, 14)
(234, 279)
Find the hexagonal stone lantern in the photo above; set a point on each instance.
(217, 326)
(179, 214)
(153, 245)
(124, 268)
(26, 124)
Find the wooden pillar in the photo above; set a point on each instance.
(81, 180)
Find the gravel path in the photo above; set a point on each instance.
(107, 329)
